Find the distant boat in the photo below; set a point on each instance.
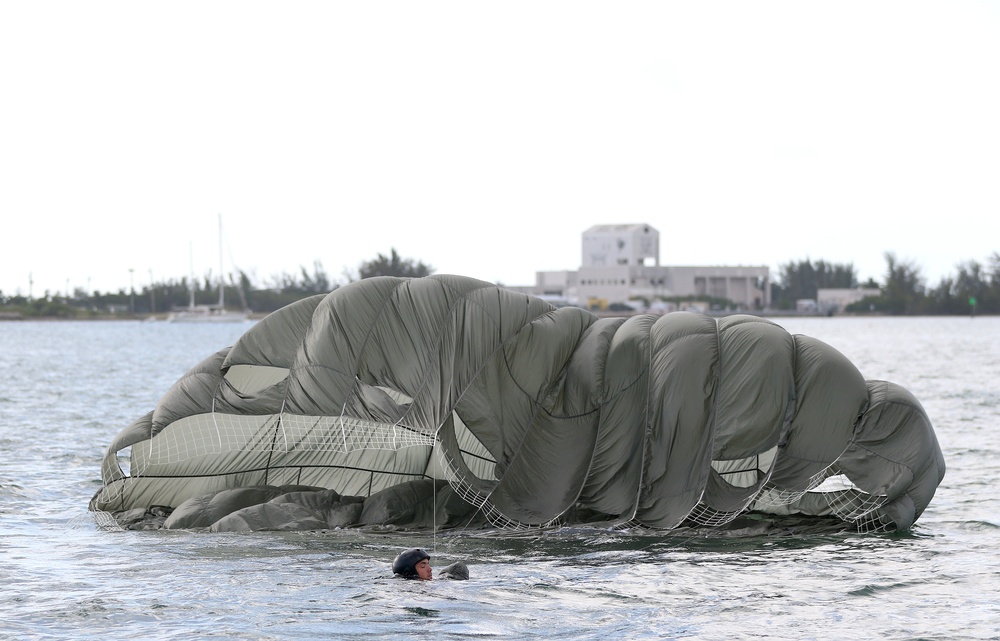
(209, 313)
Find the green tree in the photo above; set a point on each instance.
(994, 269)
(972, 283)
(942, 298)
(317, 282)
(991, 304)
(904, 288)
(393, 265)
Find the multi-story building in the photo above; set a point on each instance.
(621, 263)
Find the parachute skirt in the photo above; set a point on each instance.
(395, 391)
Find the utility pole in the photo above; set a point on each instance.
(152, 295)
(131, 280)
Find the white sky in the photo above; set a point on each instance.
(484, 138)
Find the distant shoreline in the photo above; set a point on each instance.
(14, 317)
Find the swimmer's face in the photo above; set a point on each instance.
(424, 570)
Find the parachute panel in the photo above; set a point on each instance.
(682, 393)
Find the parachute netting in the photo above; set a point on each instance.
(106, 521)
(852, 504)
(748, 474)
(481, 501)
(214, 434)
(472, 477)
(772, 496)
(845, 500)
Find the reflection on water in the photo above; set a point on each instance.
(72, 386)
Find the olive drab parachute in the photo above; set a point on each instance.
(442, 400)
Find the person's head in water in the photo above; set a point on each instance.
(413, 564)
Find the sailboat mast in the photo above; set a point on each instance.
(222, 289)
(191, 282)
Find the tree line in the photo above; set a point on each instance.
(903, 290)
(240, 292)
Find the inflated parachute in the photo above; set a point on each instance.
(445, 401)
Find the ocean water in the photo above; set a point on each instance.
(67, 388)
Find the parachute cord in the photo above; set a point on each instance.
(343, 429)
(434, 524)
(215, 424)
(434, 518)
(474, 515)
(279, 429)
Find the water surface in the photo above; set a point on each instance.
(69, 387)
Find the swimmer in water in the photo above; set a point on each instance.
(413, 564)
(416, 564)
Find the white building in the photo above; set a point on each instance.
(620, 263)
(835, 300)
(620, 246)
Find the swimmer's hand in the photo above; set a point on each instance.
(457, 570)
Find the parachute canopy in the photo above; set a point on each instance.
(444, 401)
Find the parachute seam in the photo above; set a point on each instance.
(356, 365)
(646, 431)
(697, 507)
(274, 439)
(791, 407)
(461, 298)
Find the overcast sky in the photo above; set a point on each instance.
(484, 138)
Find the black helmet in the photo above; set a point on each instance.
(406, 563)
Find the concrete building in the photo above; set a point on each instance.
(621, 263)
(620, 246)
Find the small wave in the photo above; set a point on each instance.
(873, 589)
(977, 526)
(9, 488)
